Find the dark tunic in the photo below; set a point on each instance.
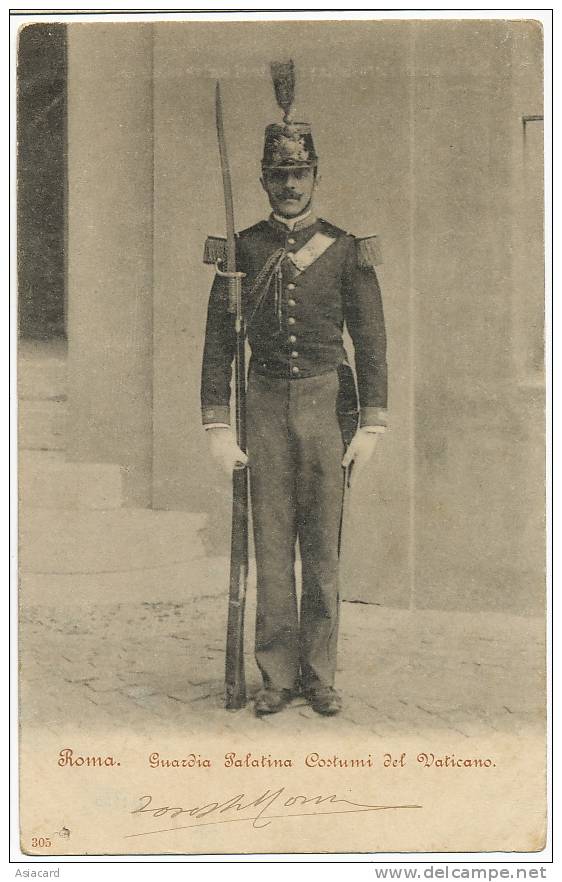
(301, 335)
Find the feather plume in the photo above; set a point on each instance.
(283, 75)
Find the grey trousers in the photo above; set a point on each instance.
(296, 480)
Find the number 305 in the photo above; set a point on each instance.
(40, 842)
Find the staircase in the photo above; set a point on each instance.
(77, 543)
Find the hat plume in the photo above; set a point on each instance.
(283, 75)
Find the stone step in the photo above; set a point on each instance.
(175, 582)
(109, 551)
(47, 481)
(42, 424)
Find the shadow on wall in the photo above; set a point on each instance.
(41, 133)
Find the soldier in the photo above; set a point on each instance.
(305, 279)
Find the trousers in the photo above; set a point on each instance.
(295, 450)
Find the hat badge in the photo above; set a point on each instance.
(289, 146)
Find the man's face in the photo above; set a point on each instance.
(289, 190)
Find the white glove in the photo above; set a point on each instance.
(359, 453)
(225, 450)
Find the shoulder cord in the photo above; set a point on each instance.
(263, 278)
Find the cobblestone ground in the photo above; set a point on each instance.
(124, 665)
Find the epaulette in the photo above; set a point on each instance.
(215, 249)
(369, 251)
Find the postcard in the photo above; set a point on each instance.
(281, 436)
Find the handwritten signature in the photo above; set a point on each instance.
(229, 811)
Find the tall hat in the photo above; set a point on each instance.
(288, 144)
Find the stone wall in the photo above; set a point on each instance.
(420, 135)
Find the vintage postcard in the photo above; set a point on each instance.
(281, 436)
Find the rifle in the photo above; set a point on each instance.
(235, 682)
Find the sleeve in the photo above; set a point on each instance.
(218, 355)
(364, 317)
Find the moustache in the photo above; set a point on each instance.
(290, 194)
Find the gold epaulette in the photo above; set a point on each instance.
(369, 252)
(215, 249)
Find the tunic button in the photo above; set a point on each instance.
(294, 355)
(295, 369)
(291, 241)
(291, 287)
(292, 302)
(292, 339)
(291, 320)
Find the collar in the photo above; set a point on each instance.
(304, 220)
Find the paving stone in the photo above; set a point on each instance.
(123, 662)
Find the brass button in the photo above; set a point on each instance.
(294, 355)
(291, 302)
(291, 241)
(291, 320)
(291, 287)
(295, 369)
(292, 339)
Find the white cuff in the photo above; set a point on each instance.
(208, 426)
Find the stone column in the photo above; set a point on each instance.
(110, 266)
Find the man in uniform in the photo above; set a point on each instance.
(305, 279)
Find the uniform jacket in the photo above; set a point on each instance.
(295, 324)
